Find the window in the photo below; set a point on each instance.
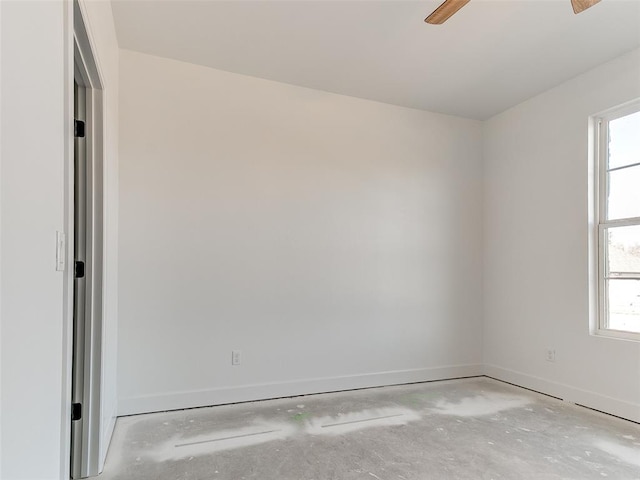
(618, 222)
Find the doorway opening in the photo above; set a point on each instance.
(87, 264)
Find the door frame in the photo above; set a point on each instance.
(85, 71)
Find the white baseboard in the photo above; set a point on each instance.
(244, 393)
(107, 435)
(587, 398)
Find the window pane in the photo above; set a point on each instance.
(624, 193)
(623, 250)
(624, 305)
(624, 141)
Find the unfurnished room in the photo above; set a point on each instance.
(319, 239)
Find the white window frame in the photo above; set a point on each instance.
(600, 186)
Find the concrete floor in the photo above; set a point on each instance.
(460, 429)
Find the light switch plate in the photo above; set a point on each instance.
(236, 357)
(61, 248)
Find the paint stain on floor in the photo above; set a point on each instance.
(624, 453)
(301, 416)
(483, 404)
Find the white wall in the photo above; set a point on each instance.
(536, 282)
(36, 71)
(32, 204)
(335, 241)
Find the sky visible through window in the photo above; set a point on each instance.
(623, 249)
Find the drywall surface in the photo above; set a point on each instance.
(32, 186)
(99, 22)
(335, 241)
(536, 261)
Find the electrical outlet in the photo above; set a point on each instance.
(236, 357)
(550, 355)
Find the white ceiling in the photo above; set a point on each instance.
(488, 57)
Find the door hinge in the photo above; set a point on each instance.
(76, 411)
(78, 128)
(79, 269)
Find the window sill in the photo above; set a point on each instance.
(617, 335)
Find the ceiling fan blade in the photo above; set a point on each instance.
(582, 5)
(444, 11)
